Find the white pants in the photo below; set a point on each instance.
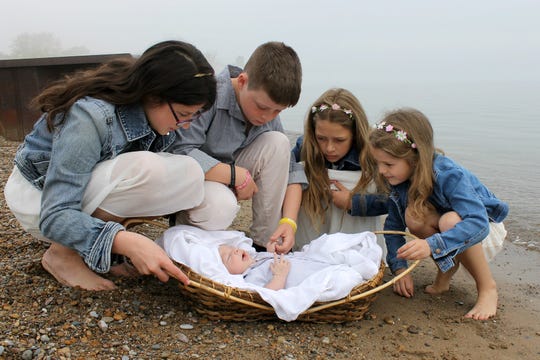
(134, 184)
(267, 159)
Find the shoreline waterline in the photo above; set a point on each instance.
(520, 231)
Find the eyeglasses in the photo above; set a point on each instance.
(195, 116)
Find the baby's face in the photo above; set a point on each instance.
(235, 260)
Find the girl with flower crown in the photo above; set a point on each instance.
(339, 170)
(456, 218)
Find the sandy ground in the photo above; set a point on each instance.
(145, 319)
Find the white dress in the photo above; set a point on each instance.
(336, 219)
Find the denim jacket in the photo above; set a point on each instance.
(454, 189)
(61, 163)
(362, 204)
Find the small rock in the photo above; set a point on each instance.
(1, 350)
(94, 314)
(186, 326)
(27, 355)
(326, 340)
(413, 329)
(389, 320)
(182, 338)
(103, 325)
(49, 300)
(369, 316)
(65, 351)
(163, 323)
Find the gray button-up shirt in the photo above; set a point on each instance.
(219, 134)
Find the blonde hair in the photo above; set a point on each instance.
(317, 198)
(420, 157)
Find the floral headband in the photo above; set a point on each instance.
(322, 107)
(398, 134)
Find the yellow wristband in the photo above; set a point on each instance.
(289, 221)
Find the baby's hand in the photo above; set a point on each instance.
(280, 266)
(280, 269)
(271, 246)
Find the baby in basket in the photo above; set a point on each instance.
(239, 261)
(326, 269)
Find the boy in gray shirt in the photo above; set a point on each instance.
(241, 146)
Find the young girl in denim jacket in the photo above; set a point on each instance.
(443, 204)
(101, 153)
(341, 195)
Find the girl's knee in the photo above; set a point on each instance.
(448, 220)
(422, 228)
(163, 169)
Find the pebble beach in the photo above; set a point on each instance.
(146, 319)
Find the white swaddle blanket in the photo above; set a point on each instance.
(325, 270)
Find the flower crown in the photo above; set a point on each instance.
(398, 134)
(322, 107)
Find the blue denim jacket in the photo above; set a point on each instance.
(454, 189)
(362, 204)
(61, 163)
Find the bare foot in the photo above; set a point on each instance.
(486, 305)
(69, 269)
(124, 270)
(442, 282)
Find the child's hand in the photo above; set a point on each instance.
(280, 266)
(245, 189)
(282, 238)
(147, 257)
(405, 285)
(416, 249)
(342, 196)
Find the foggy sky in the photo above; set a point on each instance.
(408, 40)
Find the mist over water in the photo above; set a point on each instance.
(491, 128)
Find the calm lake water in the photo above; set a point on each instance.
(490, 128)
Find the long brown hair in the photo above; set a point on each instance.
(317, 198)
(172, 71)
(419, 156)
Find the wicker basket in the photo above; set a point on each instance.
(221, 302)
